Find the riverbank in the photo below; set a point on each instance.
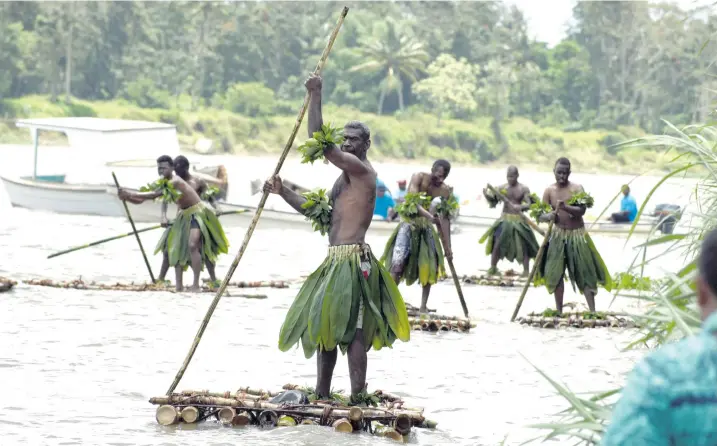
(411, 136)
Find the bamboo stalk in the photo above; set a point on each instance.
(525, 219)
(268, 418)
(454, 274)
(308, 421)
(241, 419)
(226, 415)
(342, 425)
(538, 259)
(117, 237)
(381, 430)
(167, 415)
(190, 414)
(134, 230)
(286, 421)
(260, 207)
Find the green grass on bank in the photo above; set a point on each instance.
(413, 135)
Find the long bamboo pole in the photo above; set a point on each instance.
(525, 219)
(134, 230)
(117, 237)
(456, 280)
(260, 207)
(538, 259)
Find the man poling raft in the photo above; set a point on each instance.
(196, 235)
(569, 246)
(510, 238)
(207, 194)
(350, 301)
(414, 251)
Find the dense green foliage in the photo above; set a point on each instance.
(458, 79)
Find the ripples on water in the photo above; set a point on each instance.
(79, 366)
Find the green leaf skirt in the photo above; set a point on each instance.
(414, 251)
(514, 237)
(175, 239)
(574, 250)
(349, 291)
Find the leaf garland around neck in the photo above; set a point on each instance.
(448, 207)
(313, 148)
(539, 208)
(408, 209)
(169, 193)
(318, 210)
(581, 199)
(210, 193)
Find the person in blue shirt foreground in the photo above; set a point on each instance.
(628, 208)
(671, 395)
(384, 202)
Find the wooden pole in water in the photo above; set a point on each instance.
(262, 202)
(538, 259)
(456, 280)
(134, 230)
(525, 219)
(117, 237)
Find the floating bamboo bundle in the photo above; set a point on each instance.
(575, 320)
(249, 406)
(79, 284)
(498, 280)
(6, 284)
(431, 324)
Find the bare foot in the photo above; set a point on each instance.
(194, 289)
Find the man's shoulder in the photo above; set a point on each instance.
(679, 361)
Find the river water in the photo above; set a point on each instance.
(79, 366)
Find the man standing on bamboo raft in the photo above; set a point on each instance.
(196, 236)
(181, 168)
(510, 237)
(570, 246)
(414, 251)
(350, 301)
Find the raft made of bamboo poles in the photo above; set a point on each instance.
(576, 320)
(248, 406)
(79, 284)
(497, 280)
(436, 322)
(6, 284)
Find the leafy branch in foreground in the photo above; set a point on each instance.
(672, 311)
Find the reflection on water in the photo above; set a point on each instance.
(79, 366)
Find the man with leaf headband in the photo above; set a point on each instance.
(510, 237)
(414, 252)
(196, 236)
(570, 246)
(350, 301)
(206, 193)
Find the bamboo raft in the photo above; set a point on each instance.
(436, 322)
(508, 278)
(576, 320)
(79, 284)
(248, 406)
(6, 284)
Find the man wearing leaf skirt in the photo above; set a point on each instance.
(206, 194)
(510, 237)
(570, 246)
(414, 251)
(350, 301)
(196, 236)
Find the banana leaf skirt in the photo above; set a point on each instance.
(414, 251)
(175, 239)
(349, 291)
(514, 237)
(574, 250)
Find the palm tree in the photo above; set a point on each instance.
(395, 52)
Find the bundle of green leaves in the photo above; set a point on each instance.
(493, 198)
(539, 208)
(408, 210)
(581, 199)
(313, 148)
(447, 208)
(169, 193)
(318, 210)
(210, 193)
